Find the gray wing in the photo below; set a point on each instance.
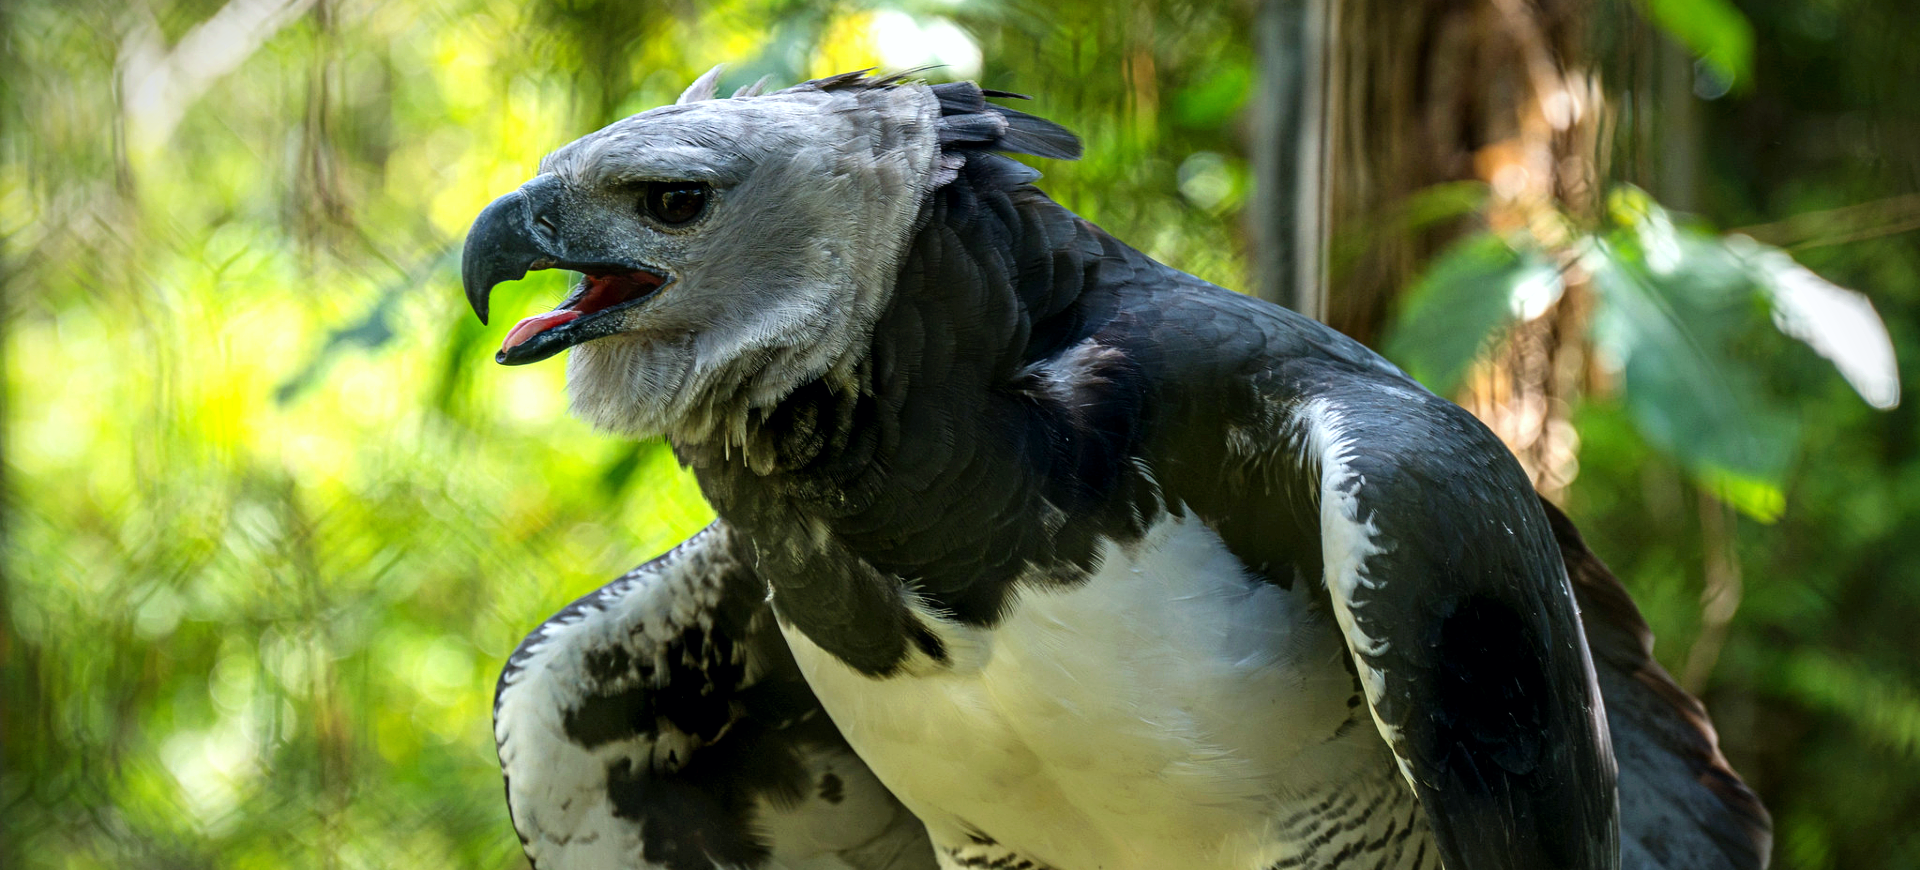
(1447, 583)
(660, 722)
(1681, 804)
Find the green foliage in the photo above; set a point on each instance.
(1714, 30)
(1468, 297)
(1681, 316)
(1673, 308)
(273, 519)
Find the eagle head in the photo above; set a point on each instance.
(730, 250)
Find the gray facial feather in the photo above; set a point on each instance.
(815, 190)
(781, 280)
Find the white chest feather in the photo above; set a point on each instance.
(1157, 716)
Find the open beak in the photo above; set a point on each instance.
(514, 236)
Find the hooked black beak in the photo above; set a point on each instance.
(504, 244)
(519, 233)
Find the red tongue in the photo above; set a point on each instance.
(537, 324)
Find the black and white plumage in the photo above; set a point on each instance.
(671, 689)
(1033, 552)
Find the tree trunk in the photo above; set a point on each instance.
(1417, 96)
(1289, 212)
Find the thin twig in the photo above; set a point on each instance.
(1719, 598)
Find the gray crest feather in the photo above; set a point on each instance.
(755, 89)
(702, 87)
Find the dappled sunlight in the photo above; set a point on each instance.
(275, 520)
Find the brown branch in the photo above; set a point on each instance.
(1853, 223)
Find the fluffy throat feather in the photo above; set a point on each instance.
(717, 401)
(774, 424)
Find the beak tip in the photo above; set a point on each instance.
(499, 248)
(477, 300)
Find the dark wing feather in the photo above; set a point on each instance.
(1031, 134)
(1437, 561)
(1314, 459)
(1446, 580)
(660, 723)
(1681, 804)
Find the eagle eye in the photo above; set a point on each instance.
(675, 202)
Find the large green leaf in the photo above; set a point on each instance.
(1684, 313)
(1467, 297)
(1674, 307)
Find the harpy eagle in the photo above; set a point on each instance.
(1033, 552)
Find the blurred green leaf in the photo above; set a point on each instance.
(1214, 99)
(1837, 323)
(1885, 711)
(1714, 30)
(1681, 314)
(1464, 301)
(1674, 305)
(373, 330)
(1764, 500)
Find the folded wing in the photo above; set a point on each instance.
(660, 722)
(1448, 585)
(1681, 804)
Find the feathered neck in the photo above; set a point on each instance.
(990, 283)
(997, 402)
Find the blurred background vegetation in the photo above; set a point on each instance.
(273, 520)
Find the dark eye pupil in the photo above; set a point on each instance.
(676, 202)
